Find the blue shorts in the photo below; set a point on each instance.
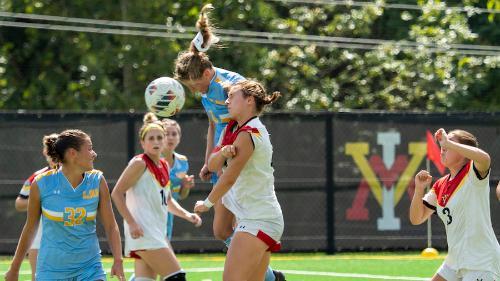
(214, 178)
(95, 273)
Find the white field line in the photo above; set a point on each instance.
(293, 272)
(353, 275)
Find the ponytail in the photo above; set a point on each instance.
(49, 145)
(150, 121)
(191, 64)
(205, 37)
(272, 98)
(149, 117)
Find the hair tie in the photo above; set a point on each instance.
(198, 42)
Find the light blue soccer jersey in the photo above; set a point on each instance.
(214, 101)
(69, 248)
(177, 173)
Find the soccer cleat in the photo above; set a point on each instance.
(279, 275)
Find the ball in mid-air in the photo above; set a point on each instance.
(164, 96)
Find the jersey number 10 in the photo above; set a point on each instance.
(163, 197)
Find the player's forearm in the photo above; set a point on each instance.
(25, 241)
(223, 185)
(210, 141)
(184, 193)
(110, 227)
(114, 238)
(481, 159)
(177, 210)
(216, 161)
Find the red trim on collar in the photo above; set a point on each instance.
(230, 134)
(161, 173)
(445, 188)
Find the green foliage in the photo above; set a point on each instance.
(45, 69)
(392, 77)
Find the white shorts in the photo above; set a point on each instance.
(142, 244)
(38, 238)
(269, 231)
(153, 239)
(450, 274)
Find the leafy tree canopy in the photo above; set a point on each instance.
(417, 68)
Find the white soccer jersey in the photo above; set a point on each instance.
(252, 196)
(463, 205)
(24, 193)
(146, 201)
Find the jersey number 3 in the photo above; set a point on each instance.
(447, 213)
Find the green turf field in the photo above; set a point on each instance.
(303, 267)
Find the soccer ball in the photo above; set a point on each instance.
(164, 96)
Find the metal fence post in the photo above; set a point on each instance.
(130, 137)
(330, 216)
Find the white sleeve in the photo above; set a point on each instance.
(477, 179)
(25, 190)
(431, 199)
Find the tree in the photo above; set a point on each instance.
(42, 69)
(389, 78)
(46, 69)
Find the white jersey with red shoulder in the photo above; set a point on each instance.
(252, 196)
(463, 204)
(147, 202)
(25, 190)
(24, 193)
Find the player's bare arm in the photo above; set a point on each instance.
(481, 159)
(128, 178)
(28, 234)
(244, 146)
(419, 213)
(107, 218)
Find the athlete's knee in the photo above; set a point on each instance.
(178, 276)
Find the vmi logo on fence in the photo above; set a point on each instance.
(387, 178)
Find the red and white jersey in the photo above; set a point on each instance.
(252, 196)
(25, 194)
(463, 204)
(147, 202)
(25, 190)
